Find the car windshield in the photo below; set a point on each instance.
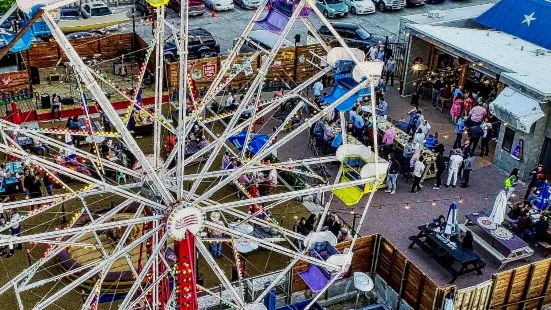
(70, 13)
(100, 11)
(364, 35)
(333, 1)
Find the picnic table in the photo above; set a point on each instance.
(447, 251)
(516, 247)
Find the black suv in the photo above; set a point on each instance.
(201, 44)
(354, 35)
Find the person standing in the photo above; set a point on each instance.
(468, 166)
(317, 89)
(477, 115)
(437, 90)
(413, 116)
(476, 132)
(373, 52)
(407, 154)
(511, 182)
(440, 167)
(537, 176)
(455, 161)
(485, 141)
(459, 130)
(15, 231)
(392, 174)
(105, 121)
(56, 105)
(215, 234)
(418, 170)
(457, 105)
(390, 68)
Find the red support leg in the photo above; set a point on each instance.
(185, 288)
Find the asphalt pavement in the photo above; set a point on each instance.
(227, 25)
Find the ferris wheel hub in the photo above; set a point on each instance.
(184, 218)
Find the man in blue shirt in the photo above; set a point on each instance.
(317, 89)
(358, 125)
(382, 107)
(352, 114)
(390, 68)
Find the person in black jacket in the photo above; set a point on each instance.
(440, 165)
(476, 133)
(392, 174)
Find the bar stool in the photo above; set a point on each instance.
(120, 176)
(363, 283)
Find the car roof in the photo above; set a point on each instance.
(96, 4)
(200, 32)
(68, 9)
(267, 37)
(345, 25)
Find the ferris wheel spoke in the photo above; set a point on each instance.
(93, 271)
(48, 236)
(79, 176)
(271, 246)
(220, 273)
(145, 270)
(27, 274)
(265, 150)
(26, 287)
(92, 85)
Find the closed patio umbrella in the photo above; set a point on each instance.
(451, 219)
(500, 205)
(542, 201)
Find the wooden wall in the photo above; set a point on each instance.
(361, 261)
(14, 81)
(292, 65)
(411, 284)
(525, 287)
(49, 54)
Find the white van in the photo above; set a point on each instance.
(263, 38)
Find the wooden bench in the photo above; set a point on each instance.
(546, 246)
(483, 244)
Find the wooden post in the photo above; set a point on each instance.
(509, 289)
(491, 292)
(545, 286)
(392, 261)
(421, 288)
(527, 285)
(402, 283)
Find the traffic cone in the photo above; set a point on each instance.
(213, 13)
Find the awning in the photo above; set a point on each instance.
(529, 20)
(518, 110)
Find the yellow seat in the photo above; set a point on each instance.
(157, 3)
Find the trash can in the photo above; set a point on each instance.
(45, 101)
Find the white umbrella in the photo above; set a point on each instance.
(451, 219)
(500, 205)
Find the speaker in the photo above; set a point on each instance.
(67, 100)
(35, 76)
(45, 101)
(297, 38)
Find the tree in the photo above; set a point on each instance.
(5, 6)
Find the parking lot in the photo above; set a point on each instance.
(227, 25)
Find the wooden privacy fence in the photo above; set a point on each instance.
(14, 81)
(525, 287)
(291, 66)
(49, 54)
(411, 284)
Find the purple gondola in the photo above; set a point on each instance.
(279, 14)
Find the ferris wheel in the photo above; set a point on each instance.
(144, 247)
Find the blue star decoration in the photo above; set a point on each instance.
(528, 19)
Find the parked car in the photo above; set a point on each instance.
(201, 44)
(390, 5)
(247, 4)
(354, 35)
(219, 5)
(95, 9)
(196, 7)
(69, 14)
(332, 8)
(263, 38)
(360, 6)
(412, 3)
